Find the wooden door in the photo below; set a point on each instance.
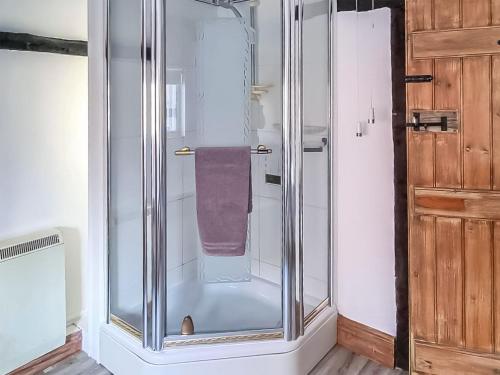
(454, 187)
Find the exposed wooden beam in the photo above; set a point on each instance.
(34, 43)
(365, 5)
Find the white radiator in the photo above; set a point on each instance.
(32, 298)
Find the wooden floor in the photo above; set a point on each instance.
(339, 361)
(77, 364)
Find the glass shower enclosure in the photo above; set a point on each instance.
(190, 74)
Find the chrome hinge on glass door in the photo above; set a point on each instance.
(154, 173)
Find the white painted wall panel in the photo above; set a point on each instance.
(43, 134)
(365, 190)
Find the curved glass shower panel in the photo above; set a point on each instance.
(316, 130)
(223, 90)
(125, 173)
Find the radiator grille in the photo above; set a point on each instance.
(29, 246)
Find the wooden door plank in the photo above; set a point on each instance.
(422, 278)
(448, 160)
(446, 14)
(419, 15)
(495, 87)
(420, 145)
(447, 95)
(449, 280)
(447, 79)
(476, 12)
(420, 96)
(443, 360)
(478, 285)
(459, 204)
(421, 159)
(476, 122)
(496, 283)
(459, 42)
(495, 12)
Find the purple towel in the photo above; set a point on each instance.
(223, 199)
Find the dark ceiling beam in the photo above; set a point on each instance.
(365, 5)
(34, 43)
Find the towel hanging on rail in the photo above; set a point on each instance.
(223, 198)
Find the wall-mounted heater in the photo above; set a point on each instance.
(32, 298)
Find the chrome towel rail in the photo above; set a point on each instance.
(260, 150)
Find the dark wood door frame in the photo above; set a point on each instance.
(400, 186)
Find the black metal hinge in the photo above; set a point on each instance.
(418, 79)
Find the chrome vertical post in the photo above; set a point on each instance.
(161, 181)
(331, 118)
(107, 56)
(154, 176)
(146, 174)
(298, 143)
(292, 283)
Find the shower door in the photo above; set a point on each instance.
(224, 89)
(125, 193)
(316, 127)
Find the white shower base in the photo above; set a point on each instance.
(222, 307)
(123, 354)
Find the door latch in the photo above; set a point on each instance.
(417, 125)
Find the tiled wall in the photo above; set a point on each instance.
(183, 239)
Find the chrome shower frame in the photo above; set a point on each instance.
(154, 172)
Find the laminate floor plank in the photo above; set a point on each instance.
(339, 361)
(354, 365)
(78, 364)
(332, 362)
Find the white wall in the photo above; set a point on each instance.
(53, 18)
(43, 134)
(364, 173)
(96, 286)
